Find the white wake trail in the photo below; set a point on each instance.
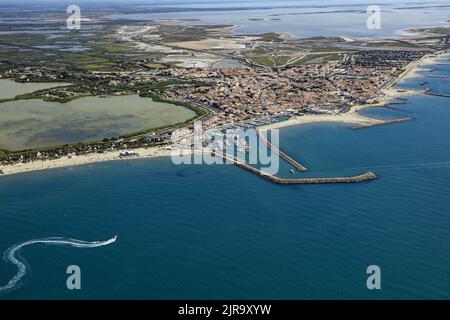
(12, 255)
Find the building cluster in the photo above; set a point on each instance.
(386, 60)
(231, 96)
(242, 95)
(155, 139)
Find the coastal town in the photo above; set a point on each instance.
(226, 97)
(251, 152)
(269, 79)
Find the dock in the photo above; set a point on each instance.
(438, 77)
(282, 181)
(282, 154)
(383, 123)
(437, 94)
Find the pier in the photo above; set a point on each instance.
(383, 123)
(396, 109)
(282, 154)
(283, 181)
(437, 94)
(439, 77)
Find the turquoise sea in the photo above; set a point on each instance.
(208, 232)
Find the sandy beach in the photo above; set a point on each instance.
(352, 117)
(413, 69)
(81, 160)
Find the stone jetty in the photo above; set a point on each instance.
(437, 94)
(282, 154)
(274, 179)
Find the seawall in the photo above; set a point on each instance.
(282, 154)
(352, 179)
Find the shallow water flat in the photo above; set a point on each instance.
(9, 89)
(36, 123)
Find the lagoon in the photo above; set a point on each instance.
(301, 18)
(27, 124)
(9, 89)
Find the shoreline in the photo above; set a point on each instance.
(350, 117)
(80, 160)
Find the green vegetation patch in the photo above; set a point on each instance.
(271, 37)
(281, 60)
(264, 60)
(312, 58)
(271, 61)
(170, 33)
(163, 85)
(437, 30)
